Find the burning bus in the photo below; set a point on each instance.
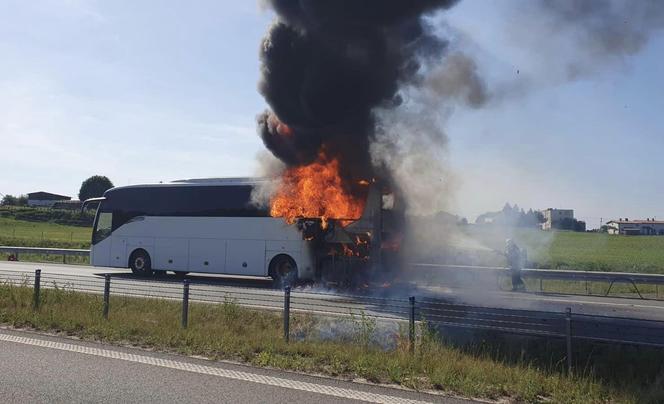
(214, 226)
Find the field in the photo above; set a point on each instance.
(571, 250)
(43, 234)
(228, 331)
(602, 252)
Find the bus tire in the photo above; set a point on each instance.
(140, 263)
(283, 271)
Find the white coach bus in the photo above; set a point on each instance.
(207, 226)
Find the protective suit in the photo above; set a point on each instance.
(515, 262)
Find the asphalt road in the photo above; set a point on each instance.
(252, 292)
(38, 368)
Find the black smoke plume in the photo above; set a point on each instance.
(326, 64)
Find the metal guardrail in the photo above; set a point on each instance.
(589, 276)
(435, 312)
(560, 274)
(46, 251)
(65, 252)
(474, 274)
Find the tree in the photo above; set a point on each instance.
(9, 200)
(572, 224)
(94, 187)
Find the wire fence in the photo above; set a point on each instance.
(408, 311)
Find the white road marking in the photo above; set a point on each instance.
(213, 371)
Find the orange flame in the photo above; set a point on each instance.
(315, 191)
(281, 128)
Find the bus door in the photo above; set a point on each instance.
(100, 251)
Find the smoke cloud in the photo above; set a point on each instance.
(326, 65)
(457, 78)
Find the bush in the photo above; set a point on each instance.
(11, 200)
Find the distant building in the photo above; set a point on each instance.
(45, 199)
(557, 218)
(647, 227)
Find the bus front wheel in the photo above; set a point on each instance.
(140, 263)
(283, 271)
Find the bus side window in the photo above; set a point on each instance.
(103, 228)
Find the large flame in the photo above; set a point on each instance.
(315, 191)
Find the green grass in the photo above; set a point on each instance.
(43, 234)
(580, 251)
(227, 331)
(602, 252)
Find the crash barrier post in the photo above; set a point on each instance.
(107, 293)
(37, 289)
(411, 325)
(568, 337)
(287, 292)
(185, 303)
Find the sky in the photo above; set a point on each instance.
(161, 90)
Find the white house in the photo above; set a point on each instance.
(647, 227)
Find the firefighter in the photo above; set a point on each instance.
(515, 262)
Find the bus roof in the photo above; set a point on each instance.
(222, 181)
(202, 182)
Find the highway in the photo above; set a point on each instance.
(217, 288)
(39, 368)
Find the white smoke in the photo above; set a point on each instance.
(412, 146)
(269, 168)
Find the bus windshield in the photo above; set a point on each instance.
(103, 226)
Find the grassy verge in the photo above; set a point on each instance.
(227, 331)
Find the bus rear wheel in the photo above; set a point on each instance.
(283, 271)
(140, 263)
